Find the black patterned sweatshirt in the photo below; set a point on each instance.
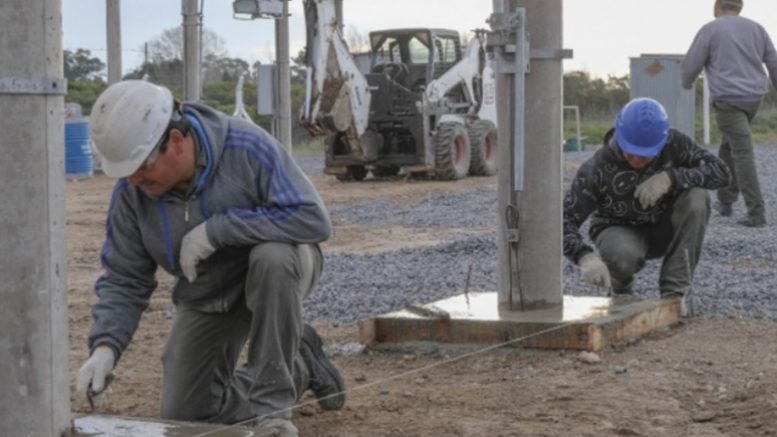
(604, 186)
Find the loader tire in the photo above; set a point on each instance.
(483, 139)
(452, 151)
(354, 173)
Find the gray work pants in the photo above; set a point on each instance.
(200, 382)
(736, 150)
(678, 237)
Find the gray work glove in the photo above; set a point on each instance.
(653, 188)
(594, 270)
(94, 371)
(195, 247)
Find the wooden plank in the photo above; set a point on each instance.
(622, 320)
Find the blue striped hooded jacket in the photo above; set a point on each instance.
(248, 191)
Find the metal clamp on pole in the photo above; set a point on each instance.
(509, 42)
(47, 86)
(504, 40)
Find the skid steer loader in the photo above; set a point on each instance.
(426, 106)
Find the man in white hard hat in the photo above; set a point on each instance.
(217, 203)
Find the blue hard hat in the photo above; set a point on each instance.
(642, 127)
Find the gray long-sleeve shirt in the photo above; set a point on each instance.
(247, 191)
(732, 51)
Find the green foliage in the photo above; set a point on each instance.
(595, 97)
(82, 66)
(84, 93)
(593, 130)
(598, 101)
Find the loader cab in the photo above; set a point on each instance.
(414, 57)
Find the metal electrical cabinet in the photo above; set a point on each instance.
(658, 76)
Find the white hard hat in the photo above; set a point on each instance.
(127, 121)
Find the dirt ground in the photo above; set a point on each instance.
(703, 378)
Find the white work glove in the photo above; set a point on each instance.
(594, 270)
(95, 370)
(195, 247)
(653, 188)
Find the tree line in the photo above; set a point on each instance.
(598, 99)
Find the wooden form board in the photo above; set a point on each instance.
(588, 324)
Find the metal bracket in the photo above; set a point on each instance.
(49, 86)
(505, 39)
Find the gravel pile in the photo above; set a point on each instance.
(736, 276)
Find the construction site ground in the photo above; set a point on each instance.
(702, 378)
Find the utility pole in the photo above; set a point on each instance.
(113, 33)
(284, 77)
(529, 233)
(190, 10)
(339, 15)
(34, 388)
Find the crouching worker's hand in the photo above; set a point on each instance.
(94, 371)
(594, 270)
(654, 188)
(195, 247)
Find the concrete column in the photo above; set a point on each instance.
(113, 34)
(541, 206)
(34, 389)
(284, 77)
(190, 9)
(539, 202)
(339, 15)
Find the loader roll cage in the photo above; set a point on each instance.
(414, 57)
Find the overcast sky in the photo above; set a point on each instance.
(604, 34)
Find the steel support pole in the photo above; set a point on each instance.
(34, 388)
(113, 34)
(190, 10)
(284, 77)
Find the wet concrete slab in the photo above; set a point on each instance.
(586, 323)
(111, 426)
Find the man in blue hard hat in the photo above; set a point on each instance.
(645, 191)
(732, 51)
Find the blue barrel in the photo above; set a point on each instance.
(78, 149)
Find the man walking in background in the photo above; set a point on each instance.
(732, 51)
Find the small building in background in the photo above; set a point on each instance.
(658, 76)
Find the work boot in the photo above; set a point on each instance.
(325, 380)
(275, 427)
(725, 209)
(753, 221)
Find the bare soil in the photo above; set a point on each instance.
(703, 378)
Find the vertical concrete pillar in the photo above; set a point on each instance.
(541, 206)
(113, 34)
(190, 9)
(538, 280)
(339, 15)
(284, 77)
(34, 389)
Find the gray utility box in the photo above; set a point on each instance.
(658, 76)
